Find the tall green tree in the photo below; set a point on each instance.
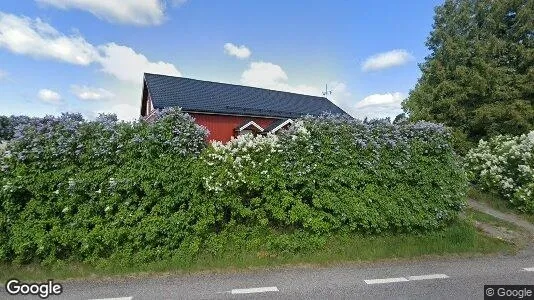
(479, 76)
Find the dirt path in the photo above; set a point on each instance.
(500, 215)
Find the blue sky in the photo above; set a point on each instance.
(88, 56)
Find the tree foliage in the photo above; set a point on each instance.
(479, 76)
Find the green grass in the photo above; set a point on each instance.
(496, 203)
(460, 238)
(491, 220)
(488, 219)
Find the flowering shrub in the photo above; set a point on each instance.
(505, 164)
(246, 177)
(91, 190)
(103, 189)
(329, 173)
(242, 161)
(8, 125)
(54, 142)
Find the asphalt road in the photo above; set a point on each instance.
(462, 278)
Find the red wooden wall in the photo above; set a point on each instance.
(222, 127)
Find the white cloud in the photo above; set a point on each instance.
(23, 35)
(340, 94)
(127, 65)
(386, 60)
(35, 38)
(270, 76)
(136, 12)
(90, 93)
(49, 96)
(384, 100)
(240, 52)
(263, 73)
(379, 105)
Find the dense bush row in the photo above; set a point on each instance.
(331, 174)
(89, 190)
(92, 190)
(8, 125)
(505, 165)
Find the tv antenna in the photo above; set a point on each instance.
(327, 91)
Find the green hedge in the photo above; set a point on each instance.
(98, 190)
(329, 174)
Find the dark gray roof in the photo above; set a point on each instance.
(212, 97)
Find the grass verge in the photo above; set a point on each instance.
(460, 238)
(491, 220)
(497, 203)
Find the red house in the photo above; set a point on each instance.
(228, 110)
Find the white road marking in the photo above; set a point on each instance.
(255, 290)
(403, 279)
(122, 298)
(529, 269)
(385, 280)
(425, 277)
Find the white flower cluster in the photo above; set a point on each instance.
(299, 130)
(243, 157)
(8, 187)
(505, 164)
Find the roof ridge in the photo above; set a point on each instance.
(233, 84)
(202, 95)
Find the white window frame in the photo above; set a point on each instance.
(288, 121)
(249, 124)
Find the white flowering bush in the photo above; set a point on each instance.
(246, 178)
(245, 160)
(505, 165)
(329, 173)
